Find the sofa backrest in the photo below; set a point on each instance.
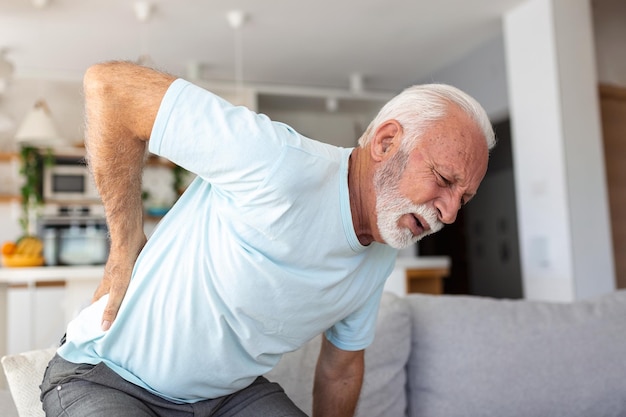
(384, 386)
(474, 356)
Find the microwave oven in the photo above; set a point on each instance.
(68, 179)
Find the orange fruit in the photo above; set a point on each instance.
(8, 248)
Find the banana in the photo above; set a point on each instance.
(29, 246)
(26, 252)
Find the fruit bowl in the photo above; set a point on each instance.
(25, 252)
(17, 260)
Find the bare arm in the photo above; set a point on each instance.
(338, 379)
(121, 103)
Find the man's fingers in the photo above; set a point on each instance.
(110, 312)
(106, 325)
(116, 295)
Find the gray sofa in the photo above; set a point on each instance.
(448, 356)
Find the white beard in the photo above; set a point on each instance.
(390, 209)
(391, 206)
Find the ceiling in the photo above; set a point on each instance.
(390, 43)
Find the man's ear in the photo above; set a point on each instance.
(386, 140)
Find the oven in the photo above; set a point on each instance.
(74, 235)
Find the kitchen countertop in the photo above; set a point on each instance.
(58, 273)
(50, 273)
(423, 262)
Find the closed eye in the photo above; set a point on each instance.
(442, 180)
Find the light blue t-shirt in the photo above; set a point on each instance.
(256, 258)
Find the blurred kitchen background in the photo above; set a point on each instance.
(550, 73)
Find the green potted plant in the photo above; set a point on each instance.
(32, 163)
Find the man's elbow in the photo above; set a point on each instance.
(103, 79)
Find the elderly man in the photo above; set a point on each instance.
(278, 239)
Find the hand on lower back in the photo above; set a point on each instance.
(117, 274)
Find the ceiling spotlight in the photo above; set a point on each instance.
(236, 18)
(143, 10)
(356, 83)
(332, 104)
(40, 4)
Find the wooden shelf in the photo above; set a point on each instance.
(8, 156)
(9, 198)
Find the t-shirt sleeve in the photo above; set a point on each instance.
(216, 140)
(356, 331)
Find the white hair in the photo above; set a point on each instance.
(418, 106)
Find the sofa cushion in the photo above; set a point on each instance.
(24, 373)
(476, 356)
(384, 386)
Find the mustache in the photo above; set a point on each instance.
(430, 216)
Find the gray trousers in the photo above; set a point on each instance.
(80, 390)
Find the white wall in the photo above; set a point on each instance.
(564, 230)
(565, 238)
(482, 74)
(336, 128)
(64, 98)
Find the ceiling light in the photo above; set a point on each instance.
(332, 104)
(143, 10)
(236, 18)
(356, 83)
(40, 4)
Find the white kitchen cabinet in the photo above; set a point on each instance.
(37, 303)
(36, 317)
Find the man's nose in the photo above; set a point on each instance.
(448, 208)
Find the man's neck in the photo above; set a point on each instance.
(361, 193)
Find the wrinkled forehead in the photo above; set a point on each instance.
(457, 145)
